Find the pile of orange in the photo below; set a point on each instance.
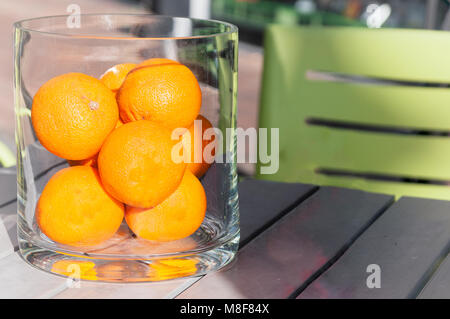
(116, 133)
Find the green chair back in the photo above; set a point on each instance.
(360, 108)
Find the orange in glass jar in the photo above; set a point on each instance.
(136, 166)
(72, 114)
(74, 209)
(165, 93)
(114, 77)
(201, 146)
(179, 216)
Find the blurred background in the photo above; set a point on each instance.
(251, 16)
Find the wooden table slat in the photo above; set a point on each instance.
(8, 182)
(439, 285)
(293, 250)
(261, 203)
(406, 242)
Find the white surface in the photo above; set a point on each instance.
(20, 280)
(156, 290)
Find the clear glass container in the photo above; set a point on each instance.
(91, 44)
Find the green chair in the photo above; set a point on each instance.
(360, 108)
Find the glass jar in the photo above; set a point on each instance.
(47, 48)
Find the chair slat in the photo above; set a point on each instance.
(397, 54)
(424, 108)
(410, 156)
(387, 187)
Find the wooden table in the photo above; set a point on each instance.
(297, 241)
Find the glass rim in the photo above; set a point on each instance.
(20, 25)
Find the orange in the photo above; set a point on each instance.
(197, 164)
(72, 114)
(167, 93)
(74, 209)
(114, 77)
(91, 161)
(179, 216)
(156, 61)
(136, 166)
(119, 123)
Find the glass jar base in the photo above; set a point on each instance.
(150, 269)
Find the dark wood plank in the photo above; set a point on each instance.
(407, 242)
(263, 202)
(295, 249)
(8, 182)
(439, 285)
